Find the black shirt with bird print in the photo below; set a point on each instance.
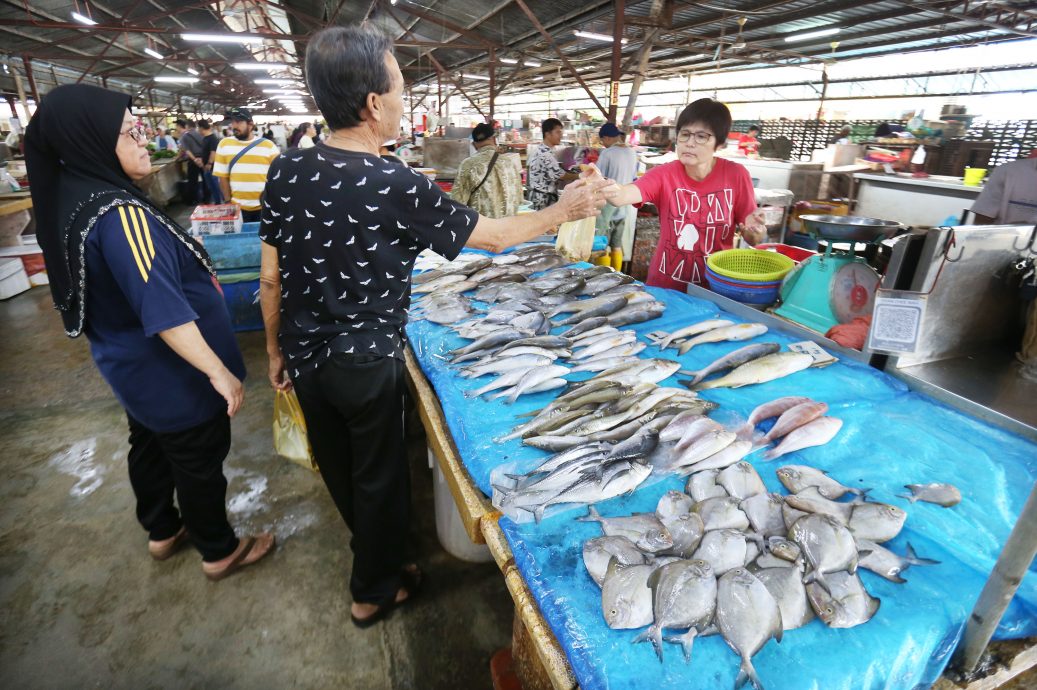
(347, 227)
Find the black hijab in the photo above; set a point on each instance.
(75, 178)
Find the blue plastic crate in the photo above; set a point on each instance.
(237, 251)
(241, 291)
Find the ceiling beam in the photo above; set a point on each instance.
(447, 24)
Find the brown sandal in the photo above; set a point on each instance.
(164, 548)
(250, 550)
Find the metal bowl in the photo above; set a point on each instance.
(850, 228)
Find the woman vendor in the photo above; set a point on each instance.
(702, 200)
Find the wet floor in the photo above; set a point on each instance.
(83, 605)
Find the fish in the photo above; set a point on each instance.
(794, 418)
(436, 284)
(945, 495)
(784, 549)
(748, 617)
(554, 443)
(810, 500)
(626, 599)
(554, 352)
(696, 430)
(534, 321)
(786, 586)
(883, 562)
(633, 527)
(637, 313)
(505, 380)
(795, 478)
(545, 262)
(601, 364)
(505, 364)
(532, 378)
(732, 360)
(790, 515)
(584, 327)
(741, 331)
(500, 338)
(601, 346)
(694, 329)
(826, 545)
(721, 513)
(676, 428)
(545, 341)
(815, 433)
(626, 478)
(766, 368)
(741, 481)
(723, 549)
(686, 533)
(702, 485)
(605, 308)
(774, 408)
(672, 504)
(764, 513)
(607, 281)
(728, 456)
(683, 596)
(637, 446)
(599, 551)
(878, 522)
(708, 444)
(844, 603)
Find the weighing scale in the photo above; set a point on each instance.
(837, 286)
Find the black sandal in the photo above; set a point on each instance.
(383, 611)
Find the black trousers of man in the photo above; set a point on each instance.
(189, 462)
(194, 184)
(353, 405)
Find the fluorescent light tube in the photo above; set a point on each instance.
(222, 38)
(192, 70)
(216, 82)
(596, 37)
(83, 19)
(527, 63)
(177, 80)
(475, 76)
(812, 34)
(260, 65)
(294, 82)
(155, 54)
(284, 91)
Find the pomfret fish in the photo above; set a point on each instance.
(721, 512)
(764, 513)
(815, 433)
(742, 331)
(703, 484)
(723, 549)
(626, 599)
(878, 522)
(686, 533)
(748, 617)
(784, 549)
(683, 596)
(945, 495)
(844, 603)
(786, 586)
(672, 504)
(741, 481)
(796, 478)
(881, 561)
(599, 551)
(766, 368)
(827, 546)
(810, 500)
(732, 360)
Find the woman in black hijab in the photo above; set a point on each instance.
(145, 294)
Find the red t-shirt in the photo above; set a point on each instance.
(747, 143)
(695, 218)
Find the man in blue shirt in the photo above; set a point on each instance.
(617, 162)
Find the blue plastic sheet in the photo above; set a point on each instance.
(890, 437)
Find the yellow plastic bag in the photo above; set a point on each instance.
(290, 439)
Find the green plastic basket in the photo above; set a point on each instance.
(754, 265)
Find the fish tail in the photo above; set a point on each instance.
(910, 498)
(912, 558)
(745, 432)
(655, 634)
(863, 492)
(538, 512)
(592, 515)
(685, 640)
(746, 673)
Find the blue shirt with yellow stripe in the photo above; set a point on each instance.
(141, 280)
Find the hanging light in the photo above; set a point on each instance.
(596, 37)
(83, 19)
(221, 38)
(739, 41)
(259, 65)
(155, 54)
(813, 34)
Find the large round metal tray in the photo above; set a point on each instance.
(850, 228)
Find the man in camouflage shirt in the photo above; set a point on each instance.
(500, 195)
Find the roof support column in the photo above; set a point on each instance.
(32, 83)
(617, 56)
(493, 81)
(642, 62)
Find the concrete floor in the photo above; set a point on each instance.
(83, 605)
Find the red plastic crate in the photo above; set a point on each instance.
(797, 254)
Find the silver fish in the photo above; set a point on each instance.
(741, 481)
(721, 513)
(505, 380)
(881, 561)
(796, 478)
(794, 418)
(878, 522)
(844, 603)
(784, 549)
(810, 500)
(766, 368)
(676, 428)
(437, 284)
(554, 443)
(500, 338)
(533, 321)
(742, 331)
(696, 430)
(705, 446)
(764, 513)
(815, 433)
(601, 283)
(626, 600)
(604, 363)
(505, 364)
(703, 484)
(791, 515)
(827, 546)
(637, 313)
(584, 326)
(748, 617)
(945, 495)
(531, 380)
(609, 306)
(732, 360)
(694, 329)
(786, 586)
(685, 532)
(724, 458)
(633, 527)
(599, 551)
(683, 596)
(723, 549)
(672, 504)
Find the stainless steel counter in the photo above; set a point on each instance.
(912, 200)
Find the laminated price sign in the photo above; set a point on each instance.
(896, 322)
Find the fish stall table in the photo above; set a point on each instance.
(920, 201)
(890, 437)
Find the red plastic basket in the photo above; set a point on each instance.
(797, 254)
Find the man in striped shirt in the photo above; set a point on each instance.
(242, 180)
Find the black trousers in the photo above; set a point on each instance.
(251, 216)
(190, 463)
(194, 183)
(353, 405)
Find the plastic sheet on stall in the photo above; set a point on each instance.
(890, 437)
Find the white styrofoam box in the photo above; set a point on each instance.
(449, 526)
(13, 279)
(772, 215)
(773, 197)
(216, 219)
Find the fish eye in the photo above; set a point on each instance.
(829, 610)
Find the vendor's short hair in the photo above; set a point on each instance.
(343, 65)
(754, 128)
(550, 125)
(204, 124)
(713, 114)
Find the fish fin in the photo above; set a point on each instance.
(863, 493)
(897, 579)
(771, 454)
(745, 432)
(655, 634)
(592, 515)
(685, 640)
(516, 477)
(913, 559)
(910, 498)
(862, 553)
(809, 577)
(538, 512)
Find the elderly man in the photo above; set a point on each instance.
(491, 186)
(617, 162)
(1010, 195)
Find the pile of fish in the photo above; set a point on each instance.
(801, 423)
(727, 556)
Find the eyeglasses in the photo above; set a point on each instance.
(135, 133)
(685, 135)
